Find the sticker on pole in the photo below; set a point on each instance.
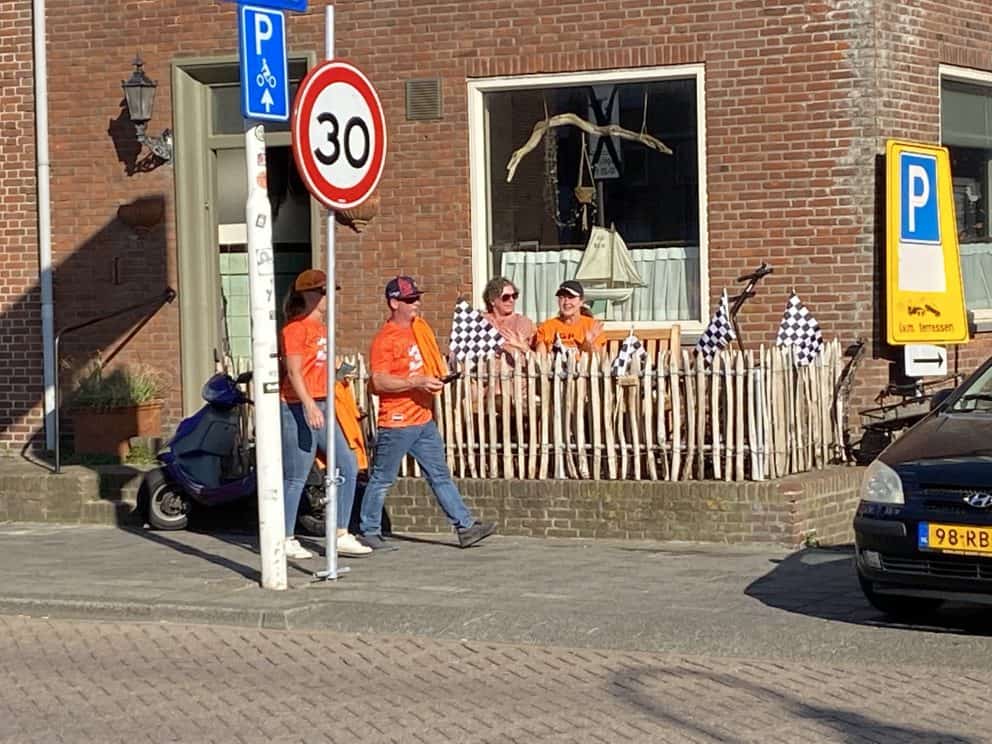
(339, 135)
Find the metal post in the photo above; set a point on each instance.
(265, 364)
(331, 475)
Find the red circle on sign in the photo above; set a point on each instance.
(317, 179)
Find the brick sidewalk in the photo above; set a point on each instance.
(72, 682)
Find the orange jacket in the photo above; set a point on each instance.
(348, 416)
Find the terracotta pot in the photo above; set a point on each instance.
(358, 217)
(143, 213)
(106, 431)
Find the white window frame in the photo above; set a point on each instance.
(983, 316)
(479, 169)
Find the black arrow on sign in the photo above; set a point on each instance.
(938, 360)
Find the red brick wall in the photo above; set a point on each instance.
(20, 297)
(914, 40)
(800, 98)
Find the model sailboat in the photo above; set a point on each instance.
(607, 270)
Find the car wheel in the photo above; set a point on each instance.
(165, 506)
(896, 606)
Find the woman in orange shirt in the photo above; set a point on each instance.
(575, 330)
(303, 389)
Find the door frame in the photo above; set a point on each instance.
(198, 270)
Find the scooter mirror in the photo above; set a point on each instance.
(243, 378)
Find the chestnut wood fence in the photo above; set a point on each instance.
(745, 416)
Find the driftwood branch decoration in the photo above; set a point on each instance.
(611, 130)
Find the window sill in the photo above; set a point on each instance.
(980, 321)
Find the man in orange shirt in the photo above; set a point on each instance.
(407, 368)
(571, 326)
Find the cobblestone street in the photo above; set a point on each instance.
(78, 681)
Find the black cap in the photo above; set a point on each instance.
(402, 288)
(570, 288)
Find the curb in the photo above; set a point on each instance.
(147, 612)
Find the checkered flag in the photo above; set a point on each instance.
(558, 349)
(630, 348)
(472, 336)
(800, 330)
(719, 333)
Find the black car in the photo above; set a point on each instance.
(923, 529)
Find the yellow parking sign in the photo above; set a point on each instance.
(924, 291)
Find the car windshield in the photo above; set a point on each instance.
(977, 396)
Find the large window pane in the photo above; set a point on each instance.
(966, 120)
(542, 221)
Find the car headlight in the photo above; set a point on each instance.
(882, 485)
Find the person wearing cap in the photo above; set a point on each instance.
(407, 367)
(500, 296)
(571, 325)
(303, 390)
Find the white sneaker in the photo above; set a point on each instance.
(348, 545)
(296, 551)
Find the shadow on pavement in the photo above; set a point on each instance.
(644, 688)
(822, 582)
(243, 541)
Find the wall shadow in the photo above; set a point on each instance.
(119, 265)
(822, 583)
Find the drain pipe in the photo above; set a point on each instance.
(44, 220)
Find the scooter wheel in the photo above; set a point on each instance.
(166, 507)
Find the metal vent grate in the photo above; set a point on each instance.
(423, 99)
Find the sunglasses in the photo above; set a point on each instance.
(508, 297)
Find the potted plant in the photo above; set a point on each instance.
(109, 406)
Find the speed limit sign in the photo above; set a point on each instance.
(339, 134)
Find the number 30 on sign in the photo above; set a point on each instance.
(339, 135)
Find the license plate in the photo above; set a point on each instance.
(954, 538)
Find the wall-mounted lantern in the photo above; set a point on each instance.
(139, 93)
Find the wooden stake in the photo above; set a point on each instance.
(543, 366)
(609, 415)
(715, 415)
(582, 378)
(676, 388)
(701, 399)
(595, 382)
(647, 395)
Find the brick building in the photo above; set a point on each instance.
(776, 112)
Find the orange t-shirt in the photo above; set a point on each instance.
(306, 337)
(571, 334)
(395, 352)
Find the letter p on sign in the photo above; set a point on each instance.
(920, 219)
(263, 32)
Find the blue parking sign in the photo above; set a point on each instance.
(300, 6)
(264, 67)
(920, 221)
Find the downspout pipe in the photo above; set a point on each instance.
(44, 220)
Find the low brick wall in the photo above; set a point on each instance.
(819, 504)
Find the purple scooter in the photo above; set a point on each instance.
(209, 462)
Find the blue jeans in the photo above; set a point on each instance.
(299, 448)
(425, 444)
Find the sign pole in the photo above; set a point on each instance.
(265, 364)
(331, 476)
(339, 145)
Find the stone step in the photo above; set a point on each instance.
(30, 492)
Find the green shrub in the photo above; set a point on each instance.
(126, 385)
